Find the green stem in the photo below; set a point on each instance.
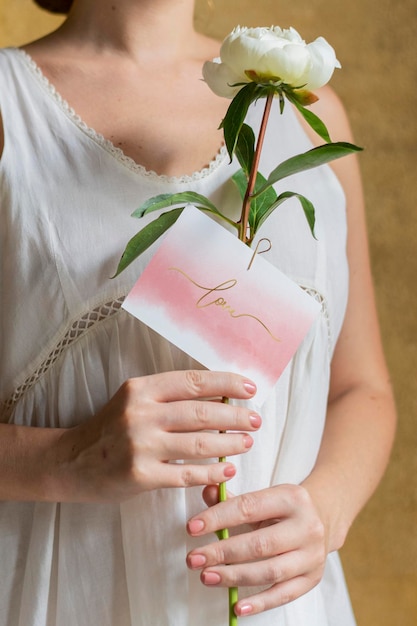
(233, 598)
(224, 534)
(244, 218)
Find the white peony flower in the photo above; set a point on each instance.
(269, 54)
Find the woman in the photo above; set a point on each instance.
(93, 518)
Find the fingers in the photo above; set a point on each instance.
(199, 415)
(191, 384)
(127, 447)
(251, 546)
(287, 575)
(205, 445)
(276, 595)
(251, 508)
(187, 475)
(285, 551)
(273, 571)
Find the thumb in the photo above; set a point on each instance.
(211, 495)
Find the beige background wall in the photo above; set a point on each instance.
(375, 42)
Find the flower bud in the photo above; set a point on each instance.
(273, 54)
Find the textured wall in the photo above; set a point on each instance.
(375, 42)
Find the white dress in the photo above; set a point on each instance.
(66, 200)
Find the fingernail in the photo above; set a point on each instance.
(249, 386)
(245, 609)
(229, 471)
(255, 420)
(247, 441)
(210, 578)
(195, 526)
(197, 560)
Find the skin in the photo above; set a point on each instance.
(100, 61)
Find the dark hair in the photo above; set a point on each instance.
(55, 6)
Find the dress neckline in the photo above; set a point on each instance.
(98, 138)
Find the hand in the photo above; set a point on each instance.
(128, 447)
(284, 548)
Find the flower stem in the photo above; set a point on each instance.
(224, 534)
(244, 218)
(233, 598)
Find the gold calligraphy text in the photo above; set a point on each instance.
(210, 297)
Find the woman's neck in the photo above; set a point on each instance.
(132, 27)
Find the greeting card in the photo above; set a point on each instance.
(222, 303)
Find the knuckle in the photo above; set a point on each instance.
(260, 546)
(234, 577)
(273, 573)
(129, 387)
(247, 505)
(219, 554)
(194, 381)
(186, 477)
(200, 446)
(133, 403)
(140, 476)
(201, 414)
(298, 495)
(317, 530)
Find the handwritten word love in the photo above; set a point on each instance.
(210, 297)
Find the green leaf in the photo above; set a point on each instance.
(245, 148)
(241, 181)
(307, 206)
(258, 205)
(165, 200)
(308, 160)
(146, 237)
(311, 118)
(235, 116)
(261, 203)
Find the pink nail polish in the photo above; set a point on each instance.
(255, 420)
(229, 471)
(246, 609)
(250, 387)
(210, 578)
(248, 441)
(195, 526)
(197, 560)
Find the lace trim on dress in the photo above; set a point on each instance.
(116, 152)
(318, 297)
(77, 330)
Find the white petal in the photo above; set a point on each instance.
(288, 63)
(292, 35)
(243, 52)
(323, 63)
(219, 78)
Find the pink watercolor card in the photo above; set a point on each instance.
(198, 293)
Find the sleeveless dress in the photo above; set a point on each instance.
(66, 346)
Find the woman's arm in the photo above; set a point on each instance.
(361, 412)
(294, 527)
